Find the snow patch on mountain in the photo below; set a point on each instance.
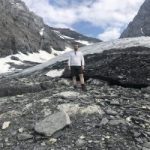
(67, 37)
(42, 32)
(38, 57)
(59, 34)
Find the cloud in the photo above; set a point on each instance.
(109, 34)
(110, 15)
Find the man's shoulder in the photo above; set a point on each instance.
(80, 53)
(71, 52)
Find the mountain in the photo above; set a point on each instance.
(23, 31)
(140, 26)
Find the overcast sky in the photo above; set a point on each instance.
(103, 19)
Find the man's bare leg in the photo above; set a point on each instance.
(74, 81)
(82, 82)
(81, 78)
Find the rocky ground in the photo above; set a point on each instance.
(105, 117)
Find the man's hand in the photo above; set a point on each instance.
(69, 68)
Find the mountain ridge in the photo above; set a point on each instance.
(140, 26)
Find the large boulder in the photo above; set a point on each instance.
(52, 123)
(127, 67)
(123, 62)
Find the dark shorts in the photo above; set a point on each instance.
(76, 70)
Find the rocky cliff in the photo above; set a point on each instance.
(140, 26)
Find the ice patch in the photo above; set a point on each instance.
(55, 73)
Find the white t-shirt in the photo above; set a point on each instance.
(76, 59)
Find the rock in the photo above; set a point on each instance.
(24, 136)
(111, 112)
(52, 123)
(80, 142)
(64, 82)
(91, 110)
(52, 141)
(27, 107)
(144, 148)
(21, 130)
(136, 134)
(46, 112)
(6, 125)
(117, 122)
(147, 145)
(70, 109)
(95, 82)
(37, 147)
(1, 145)
(74, 109)
(15, 58)
(104, 121)
(11, 113)
(82, 137)
(67, 95)
(114, 102)
(6, 139)
(45, 100)
(43, 144)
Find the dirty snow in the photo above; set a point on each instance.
(55, 73)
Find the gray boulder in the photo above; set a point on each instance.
(52, 123)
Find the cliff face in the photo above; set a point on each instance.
(19, 28)
(140, 26)
(23, 31)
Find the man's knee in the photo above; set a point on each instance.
(74, 77)
(81, 75)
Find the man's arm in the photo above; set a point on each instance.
(82, 61)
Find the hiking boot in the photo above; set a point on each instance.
(83, 87)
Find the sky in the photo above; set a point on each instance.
(103, 19)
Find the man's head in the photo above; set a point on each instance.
(76, 47)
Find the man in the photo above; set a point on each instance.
(76, 65)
